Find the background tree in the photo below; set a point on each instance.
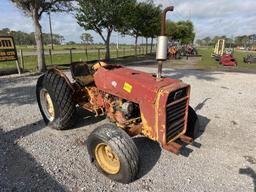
(56, 39)
(182, 31)
(172, 31)
(22, 38)
(199, 42)
(71, 43)
(242, 40)
(151, 25)
(103, 15)
(86, 39)
(35, 9)
(252, 39)
(216, 38)
(207, 41)
(135, 21)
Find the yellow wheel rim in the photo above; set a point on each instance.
(47, 104)
(107, 159)
(50, 106)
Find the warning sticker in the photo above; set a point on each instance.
(127, 87)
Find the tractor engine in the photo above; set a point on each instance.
(116, 109)
(124, 113)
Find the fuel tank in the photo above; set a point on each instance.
(130, 84)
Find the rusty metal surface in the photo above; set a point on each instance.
(173, 147)
(161, 113)
(135, 130)
(133, 85)
(186, 139)
(151, 95)
(163, 19)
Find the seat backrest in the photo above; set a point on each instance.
(81, 73)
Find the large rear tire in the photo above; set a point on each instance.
(114, 153)
(54, 97)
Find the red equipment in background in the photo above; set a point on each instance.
(228, 60)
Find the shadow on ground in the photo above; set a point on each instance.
(85, 118)
(19, 171)
(18, 95)
(23, 94)
(250, 173)
(149, 151)
(199, 74)
(204, 121)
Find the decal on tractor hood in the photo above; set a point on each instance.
(127, 87)
(114, 83)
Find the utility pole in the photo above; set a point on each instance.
(50, 23)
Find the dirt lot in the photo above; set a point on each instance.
(36, 158)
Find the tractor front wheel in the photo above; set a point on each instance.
(114, 153)
(55, 102)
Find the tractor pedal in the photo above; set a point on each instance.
(173, 147)
(186, 139)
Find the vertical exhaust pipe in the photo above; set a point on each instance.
(162, 42)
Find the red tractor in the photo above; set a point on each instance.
(228, 60)
(135, 103)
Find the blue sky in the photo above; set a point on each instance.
(210, 18)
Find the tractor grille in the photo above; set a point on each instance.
(175, 113)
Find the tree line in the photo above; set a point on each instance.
(23, 38)
(127, 17)
(182, 31)
(237, 41)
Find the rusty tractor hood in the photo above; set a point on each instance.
(130, 84)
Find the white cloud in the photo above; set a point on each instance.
(215, 17)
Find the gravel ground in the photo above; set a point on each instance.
(34, 157)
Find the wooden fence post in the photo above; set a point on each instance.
(116, 53)
(50, 55)
(86, 53)
(123, 52)
(70, 54)
(18, 66)
(99, 54)
(22, 60)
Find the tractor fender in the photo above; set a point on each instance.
(62, 74)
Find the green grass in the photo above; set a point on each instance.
(30, 62)
(209, 63)
(32, 48)
(206, 62)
